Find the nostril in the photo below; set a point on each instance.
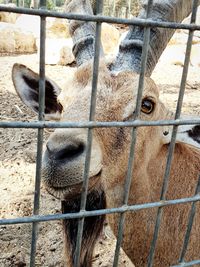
(48, 148)
(165, 133)
(69, 152)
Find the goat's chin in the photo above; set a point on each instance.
(72, 191)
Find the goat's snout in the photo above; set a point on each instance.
(66, 152)
(64, 160)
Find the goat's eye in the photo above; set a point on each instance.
(147, 106)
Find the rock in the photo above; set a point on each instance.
(109, 38)
(8, 16)
(66, 55)
(63, 53)
(58, 43)
(55, 27)
(58, 51)
(15, 40)
(29, 23)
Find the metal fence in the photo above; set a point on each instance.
(41, 124)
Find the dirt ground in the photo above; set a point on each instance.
(17, 164)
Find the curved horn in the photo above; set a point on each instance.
(130, 49)
(82, 32)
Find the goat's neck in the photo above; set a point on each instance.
(185, 169)
(91, 230)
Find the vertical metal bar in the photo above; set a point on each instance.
(113, 11)
(129, 8)
(42, 5)
(133, 134)
(99, 7)
(173, 139)
(40, 140)
(190, 223)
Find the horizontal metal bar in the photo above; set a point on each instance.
(81, 214)
(100, 18)
(189, 263)
(93, 124)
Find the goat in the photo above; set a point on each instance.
(63, 160)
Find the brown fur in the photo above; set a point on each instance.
(149, 167)
(116, 97)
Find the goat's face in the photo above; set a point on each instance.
(64, 156)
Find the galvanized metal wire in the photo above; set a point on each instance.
(99, 7)
(190, 263)
(96, 124)
(133, 134)
(44, 218)
(36, 204)
(100, 18)
(40, 124)
(173, 138)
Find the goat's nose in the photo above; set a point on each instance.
(67, 152)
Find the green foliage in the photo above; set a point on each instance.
(51, 4)
(60, 3)
(120, 7)
(27, 3)
(111, 7)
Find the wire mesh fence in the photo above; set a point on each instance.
(111, 7)
(147, 24)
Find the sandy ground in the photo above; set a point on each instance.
(17, 163)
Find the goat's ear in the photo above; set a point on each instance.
(186, 134)
(189, 134)
(26, 84)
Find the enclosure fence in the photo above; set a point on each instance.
(147, 24)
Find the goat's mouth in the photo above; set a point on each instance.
(72, 191)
